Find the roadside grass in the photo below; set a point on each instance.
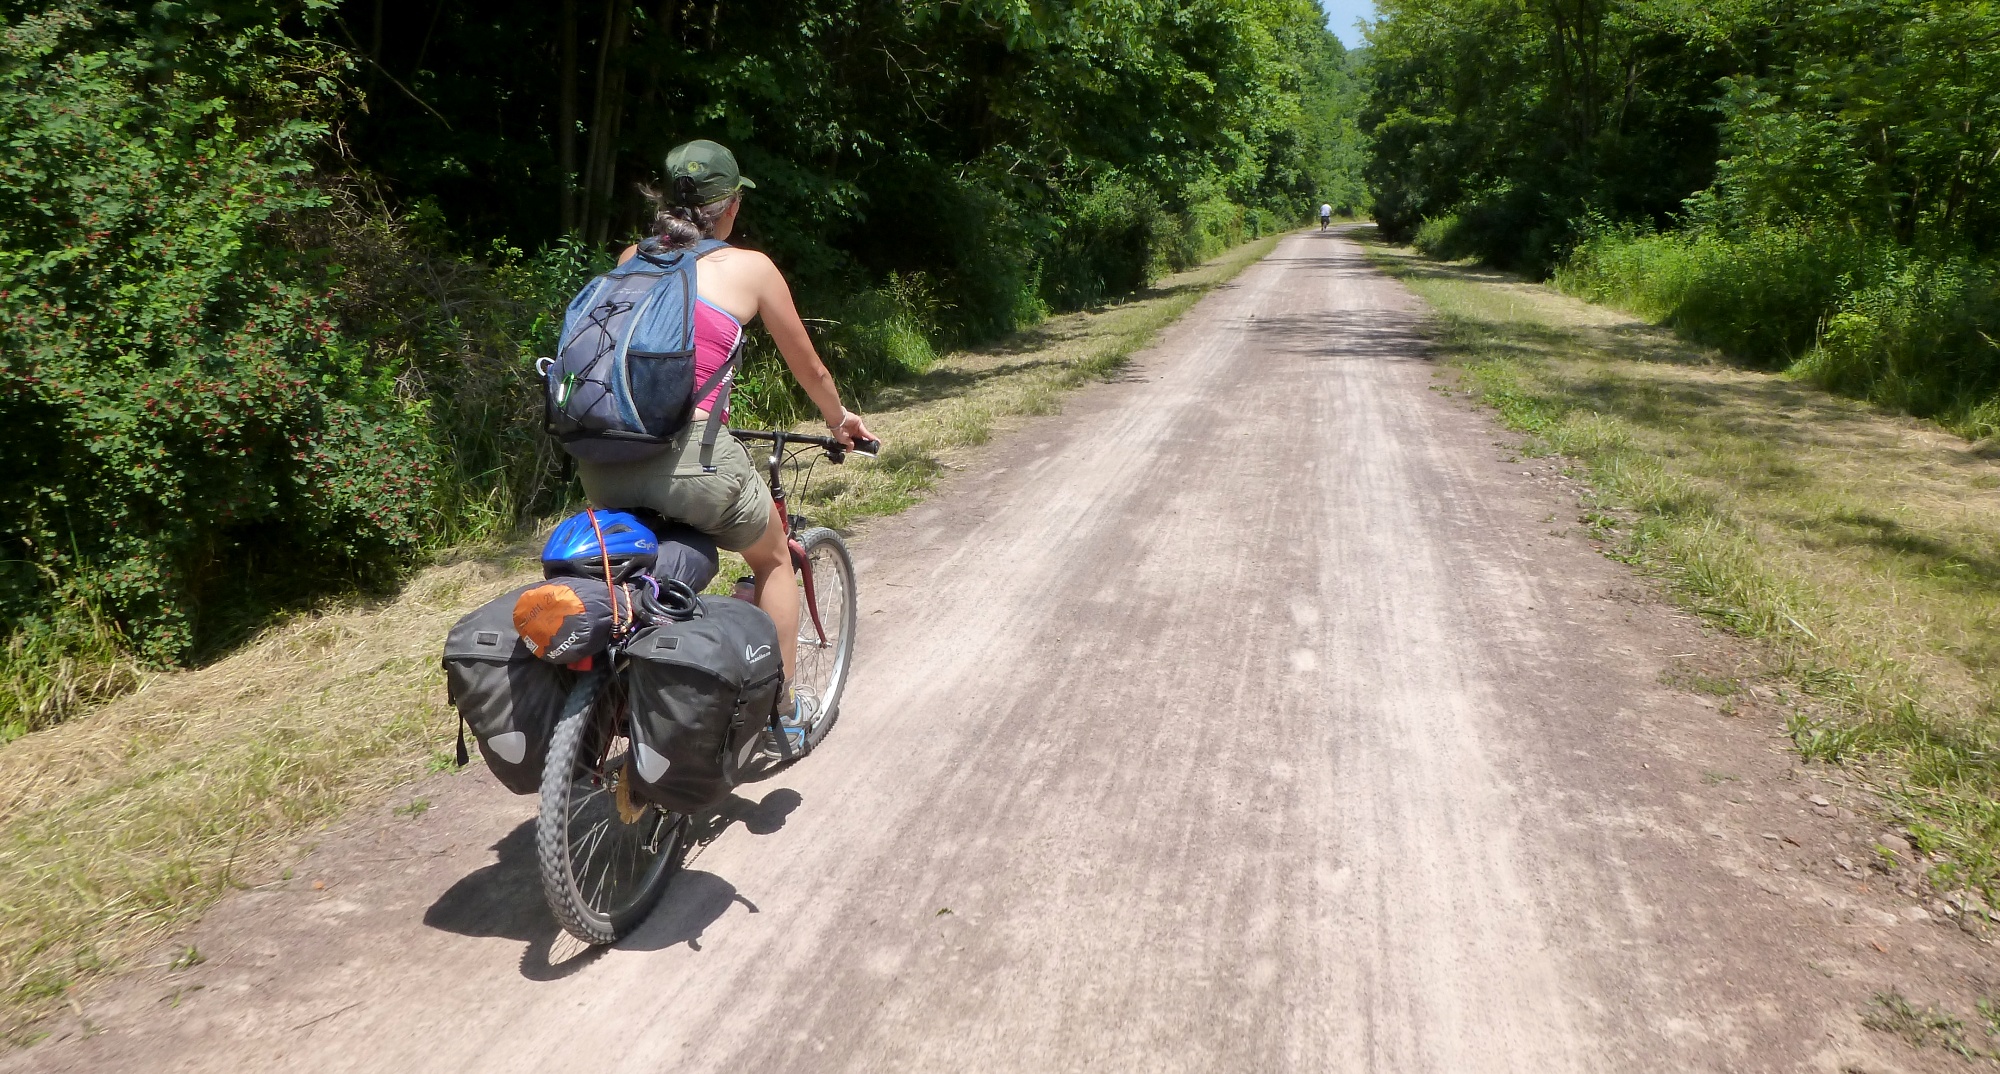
(122, 825)
(1861, 548)
(1920, 1026)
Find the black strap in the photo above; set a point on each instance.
(784, 741)
(703, 249)
(735, 732)
(715, 412)
(464, 758)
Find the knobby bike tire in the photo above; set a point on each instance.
(579, 785)
(833, 571)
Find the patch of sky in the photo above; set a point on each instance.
(1344, 17)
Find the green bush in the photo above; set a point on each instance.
(1759, 297)
(184, 423)
(462, 334)
(1107, 242)
(1921, 340)
(884, 335)
(1440, 237)
(1213, 223)
(1871, 320)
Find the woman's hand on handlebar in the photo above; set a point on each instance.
(849, 428)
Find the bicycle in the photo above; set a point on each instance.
(607, 857)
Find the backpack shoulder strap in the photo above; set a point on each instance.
(719, 377)
(714, 423)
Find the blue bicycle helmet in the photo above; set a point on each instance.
(573, 549)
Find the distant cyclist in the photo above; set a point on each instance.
(1325, 215)
(723, 495)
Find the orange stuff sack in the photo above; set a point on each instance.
(566, 619)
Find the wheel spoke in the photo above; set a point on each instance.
(600, 874)
(587, 847)
(824, 637)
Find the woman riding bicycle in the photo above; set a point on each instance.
(722, 495)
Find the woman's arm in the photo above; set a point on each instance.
(788, 331)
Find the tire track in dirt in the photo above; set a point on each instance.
(1245, 717)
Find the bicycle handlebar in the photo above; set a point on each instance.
(834, 449)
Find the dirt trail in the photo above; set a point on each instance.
(1255, 714)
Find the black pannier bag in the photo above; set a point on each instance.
(702, 690)
(506, 695)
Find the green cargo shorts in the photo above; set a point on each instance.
(731, 505)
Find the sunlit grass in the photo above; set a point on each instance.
(1860, 548)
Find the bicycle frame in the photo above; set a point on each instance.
(774, 464)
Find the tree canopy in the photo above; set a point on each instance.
(1807, 186)
(272, 273)
(1523, 121)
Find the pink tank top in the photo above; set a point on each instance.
(716, 337)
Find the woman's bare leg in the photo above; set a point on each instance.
(770, 560)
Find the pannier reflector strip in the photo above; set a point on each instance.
(652, 765)
(511, 746)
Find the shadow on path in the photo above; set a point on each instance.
(504, 899)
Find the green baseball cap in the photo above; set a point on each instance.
(711, 166)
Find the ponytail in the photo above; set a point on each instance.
(679, 218)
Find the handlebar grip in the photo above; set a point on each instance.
(865, 446)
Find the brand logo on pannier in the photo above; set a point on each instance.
(753, 655)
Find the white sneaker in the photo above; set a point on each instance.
(798, 723)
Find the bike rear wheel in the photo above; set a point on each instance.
(826, 627)
(605, 857)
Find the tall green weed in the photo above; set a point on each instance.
(1864, 318)
(1760, 297)
(1114, 239)
(1920, 340)
(60, 662)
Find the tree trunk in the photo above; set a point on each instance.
(601, 162)
(375, 52)
(660, 43)
(607, 178)
(566, 122)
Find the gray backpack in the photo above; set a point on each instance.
(621, 385)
